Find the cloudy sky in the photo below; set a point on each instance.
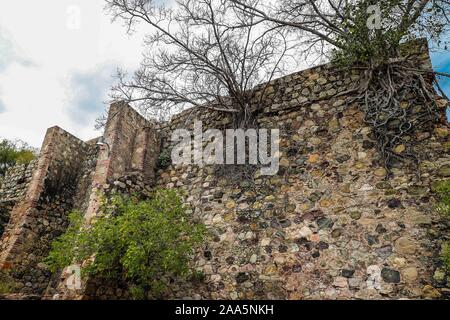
(57, 58)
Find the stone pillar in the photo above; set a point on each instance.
(42, 213)
(130, 146)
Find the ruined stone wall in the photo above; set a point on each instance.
(125, 165)
(41, 215)
(69, 175)
(5, 209)
(132, 142)
(328, 225)
(13, 187)
(85, 176)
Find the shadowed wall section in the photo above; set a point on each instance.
(41, 215)
(126, 164)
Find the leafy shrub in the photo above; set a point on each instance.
(12, 153)
(443, 191)
(6, 283)
(361, 45)
(165, 159)
(141, 242)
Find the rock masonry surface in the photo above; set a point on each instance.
(328, 225)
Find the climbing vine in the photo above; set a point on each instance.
(399, 103)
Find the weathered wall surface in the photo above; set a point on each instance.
(5, 209)
(125, 165)
(41, 215)
(13, 187)
(328, 226)
(14, 184)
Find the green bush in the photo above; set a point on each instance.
(443, 190)
(6, 283)
(12, 153)
(141, 242)
(164, 159)
(443, 207)
(361, 45)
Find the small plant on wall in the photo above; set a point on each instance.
(140, 242)
(164, 159)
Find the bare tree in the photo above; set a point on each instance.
(198, 57)
(342, 30)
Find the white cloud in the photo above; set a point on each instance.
(49, 49)
(9, 52)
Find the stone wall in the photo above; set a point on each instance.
(13, 187)
(15, 182)
(41, 215)
(329, 225)
(5, 209)
(125, 165)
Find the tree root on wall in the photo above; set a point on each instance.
(399, 104)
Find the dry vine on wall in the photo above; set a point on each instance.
(399, 104)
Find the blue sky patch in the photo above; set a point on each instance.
(9, 53)
(441, 63)
(88, 93)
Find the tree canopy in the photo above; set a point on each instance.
(365, 31)
(14, 152)
(203, 53)
(211, 53)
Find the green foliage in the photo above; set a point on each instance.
(446, 255)
(6, 283)
(361, 45)
(164, 159)
(67, 246)
(12, 153)
(443, 191)
(141, 242)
